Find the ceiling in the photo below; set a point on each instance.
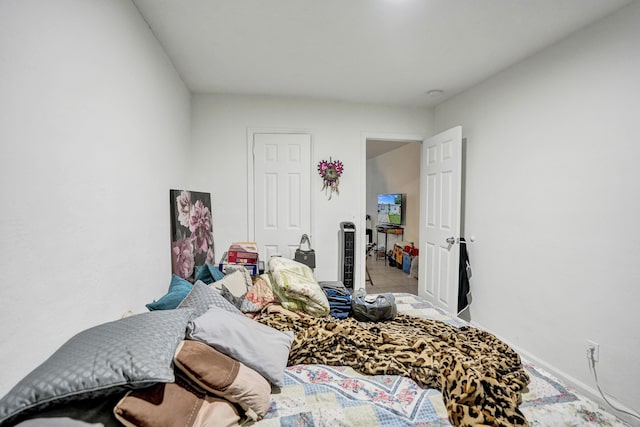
(376, 147)
(364, 51)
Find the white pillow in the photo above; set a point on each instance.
(235, 282)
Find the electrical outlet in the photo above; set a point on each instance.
(593, 349)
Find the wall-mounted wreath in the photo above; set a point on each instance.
(330, 171)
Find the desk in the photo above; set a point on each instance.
(386, 230)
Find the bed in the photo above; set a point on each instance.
(146, 369)
(340, 396)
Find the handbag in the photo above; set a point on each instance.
(306, 257)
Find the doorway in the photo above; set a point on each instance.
(392, 166)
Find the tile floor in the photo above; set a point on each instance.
(388, 279)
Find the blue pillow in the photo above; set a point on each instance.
(178, 290)
(208, 273)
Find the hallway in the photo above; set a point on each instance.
(388, 279)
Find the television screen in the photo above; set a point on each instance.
(390, 209)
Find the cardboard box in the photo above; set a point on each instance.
(398, 250)
(254, 268)
(243, 253)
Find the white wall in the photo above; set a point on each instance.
(396, 171)
(95, 124)
(94, 127)
(552, 197)
(220, 124)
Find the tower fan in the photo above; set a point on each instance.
(347, 242)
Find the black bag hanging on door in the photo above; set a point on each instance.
(464, 274)
(306, 257)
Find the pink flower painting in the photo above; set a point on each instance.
(183, 208)
(200, 226)
(182, 259)
(191, 232)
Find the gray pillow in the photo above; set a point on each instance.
(132, 352)
(82, 413)
(202, 297)
(258, 346)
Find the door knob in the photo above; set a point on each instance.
(451, 241)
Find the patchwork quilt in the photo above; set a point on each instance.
(325, 396)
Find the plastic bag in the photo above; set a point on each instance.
(373, 308)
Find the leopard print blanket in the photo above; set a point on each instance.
(480, 377)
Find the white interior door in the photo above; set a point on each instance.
(440, 201)
(281, 192)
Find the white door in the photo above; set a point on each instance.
(281, 192)
(440, 200)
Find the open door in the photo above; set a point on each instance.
(440, 207)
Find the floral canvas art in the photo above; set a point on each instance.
(191, 232)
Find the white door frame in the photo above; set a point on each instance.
(251, 231)
(361, 223)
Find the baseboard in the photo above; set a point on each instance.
(582, 388)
